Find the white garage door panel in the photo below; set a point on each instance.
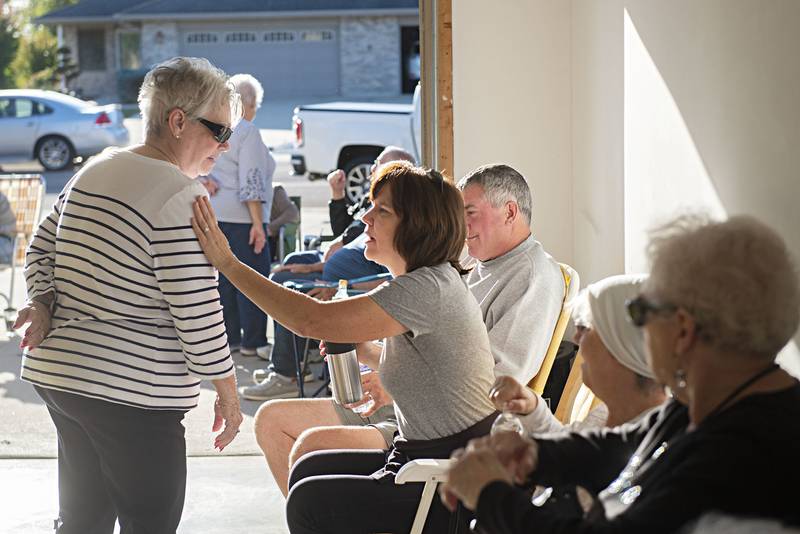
(288, 61)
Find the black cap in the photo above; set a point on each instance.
(338, 348)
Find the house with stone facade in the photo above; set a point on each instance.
(346, 48)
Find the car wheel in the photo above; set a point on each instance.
(357, 180)
(55, 153)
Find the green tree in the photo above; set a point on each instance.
(38, 62)
(9, 41)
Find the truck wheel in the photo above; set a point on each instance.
(357, 182)
(55, 153)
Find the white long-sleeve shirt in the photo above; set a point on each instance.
(243, 173)
(137, 317)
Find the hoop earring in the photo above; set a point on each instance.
(680, 379)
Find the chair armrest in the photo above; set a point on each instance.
(423, 471)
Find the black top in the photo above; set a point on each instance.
(742, 461)
(345, 219)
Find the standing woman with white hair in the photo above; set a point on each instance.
(125, 319)
(241, 187)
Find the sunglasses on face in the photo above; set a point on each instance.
(640, 308)
(220, 132)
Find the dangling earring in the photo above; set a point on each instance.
(680, 379)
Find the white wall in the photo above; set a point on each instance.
(623, 112)
(511, 102)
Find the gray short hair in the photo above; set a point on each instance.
(501, 184)
(736, 278)
(189, 83)
(249, 89)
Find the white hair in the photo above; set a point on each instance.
(191, 84)
(249, 89)
(501, 183)
(736, 278)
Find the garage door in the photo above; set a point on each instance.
(287, 60)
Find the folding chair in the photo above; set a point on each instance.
(577, 400)
(25, 193)
(432, 471)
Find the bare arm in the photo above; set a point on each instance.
(353, 320)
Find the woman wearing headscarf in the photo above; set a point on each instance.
(615, 364)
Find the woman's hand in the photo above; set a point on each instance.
(38, 315)
(468, 476)
(505, 456)
(371, 384)
(322, 293)
(229, 413)
(509, 395)
(258, 238)
(211, 238)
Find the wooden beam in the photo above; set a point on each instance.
(444, 86)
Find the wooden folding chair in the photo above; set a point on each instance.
(25, 193)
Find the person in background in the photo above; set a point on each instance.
(283, 212)
(125, 319)
(721, 301)
(241, 192)
(8, 230)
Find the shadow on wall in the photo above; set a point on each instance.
(712, 120)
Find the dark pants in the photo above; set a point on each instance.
(334, 492)
(283, 356)
(117, 462)
(245, 323)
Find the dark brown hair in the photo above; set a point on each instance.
(431, 211)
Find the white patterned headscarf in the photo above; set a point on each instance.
(608, 317)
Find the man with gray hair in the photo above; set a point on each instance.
(518, 285)
(519, 288)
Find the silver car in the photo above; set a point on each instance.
(56, 128)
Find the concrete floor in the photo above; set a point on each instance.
(224, 495)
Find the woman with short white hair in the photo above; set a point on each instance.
(722, 300)
(241, 194)
(125, 320)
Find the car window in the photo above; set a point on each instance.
(6, 108)
(24, 108)
(40, 108)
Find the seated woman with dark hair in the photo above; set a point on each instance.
(436, 362)
(721, 301)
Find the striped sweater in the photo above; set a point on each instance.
(137, 318)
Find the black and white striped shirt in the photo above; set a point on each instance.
(137, 316)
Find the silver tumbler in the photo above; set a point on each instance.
(345, 373)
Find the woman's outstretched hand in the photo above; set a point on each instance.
(211, 238)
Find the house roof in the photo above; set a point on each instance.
(118, 10)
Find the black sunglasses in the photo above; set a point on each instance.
(639, 308)
(220, 132)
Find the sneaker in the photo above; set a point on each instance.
(247, 351)
(274, 386)
(259, 375)
(265, 352)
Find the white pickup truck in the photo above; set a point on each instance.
(349, 136)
